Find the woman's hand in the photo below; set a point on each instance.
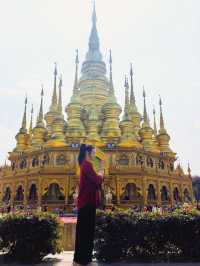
(101, 172)
(102, 165)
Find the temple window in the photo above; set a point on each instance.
(75, 145)
(111, 145)
(13, 166)
(33, 193)
(60, 160)
(23, 164)
(164, 194)
(35, 162)
(161, 164)
(150, 162)
(123, 160)
(7, 195)
(139, 160)
(186, 195)
(45, 160)
(19, 194)
(171, 167)
(176, 195)
(151, 193)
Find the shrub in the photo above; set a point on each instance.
(147, 237)
(29, 238)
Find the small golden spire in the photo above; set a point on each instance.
(40, 121)
(162, 124)
(126, 106)
(75, 90)
(54, 101)
(145, 116)
(23, 128)
(60, 95)
(31, 122)
(132, 96)
(189, 169)
(155, 126)
(111, 91)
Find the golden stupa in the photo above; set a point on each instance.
(139, 163)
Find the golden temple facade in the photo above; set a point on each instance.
(139, 163)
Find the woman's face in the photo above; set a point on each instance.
(93, 154)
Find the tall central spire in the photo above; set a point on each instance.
(94, 53)
(111, 90)
(54, 101)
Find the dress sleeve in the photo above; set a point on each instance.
(92, 175)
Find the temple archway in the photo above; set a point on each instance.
(19, 193)
(186, 195)
(151, 193)
(53, 193)
(164, 194)
(131, 193)
(7, 195)
(33, 193)
(176, 195)
(35, 162)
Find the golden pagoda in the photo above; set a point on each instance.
(139, 163)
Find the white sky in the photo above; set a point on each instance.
(160, 37)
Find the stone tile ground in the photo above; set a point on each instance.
(65, 259)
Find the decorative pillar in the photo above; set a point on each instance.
(12, 195)
(118, 189)
(144, 190)
(39, 192)
(192, 194)
(171, 194)
(25, 193)
(1, 200)
(158, 193)
(66, 190)
(181, 191)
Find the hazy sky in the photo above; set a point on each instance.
(160, 37)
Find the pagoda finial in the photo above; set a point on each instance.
(132, 96)
(60, 95)
(111, 75)
(94, 46)
(162, 124)
(54, 102)
(126, 106)
(94, 15)
(189, 169)
(155, 126)
(40, 116)
(145, 116)
(75, 90)
(23, 128)
(31, 121)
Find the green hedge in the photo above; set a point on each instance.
(28, 239)
(146, 237)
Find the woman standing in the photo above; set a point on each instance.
(87, 202)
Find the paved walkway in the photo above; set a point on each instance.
(65, 259)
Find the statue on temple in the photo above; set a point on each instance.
(75, 195)
(108, 196)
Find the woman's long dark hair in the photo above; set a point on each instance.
(82, 153)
